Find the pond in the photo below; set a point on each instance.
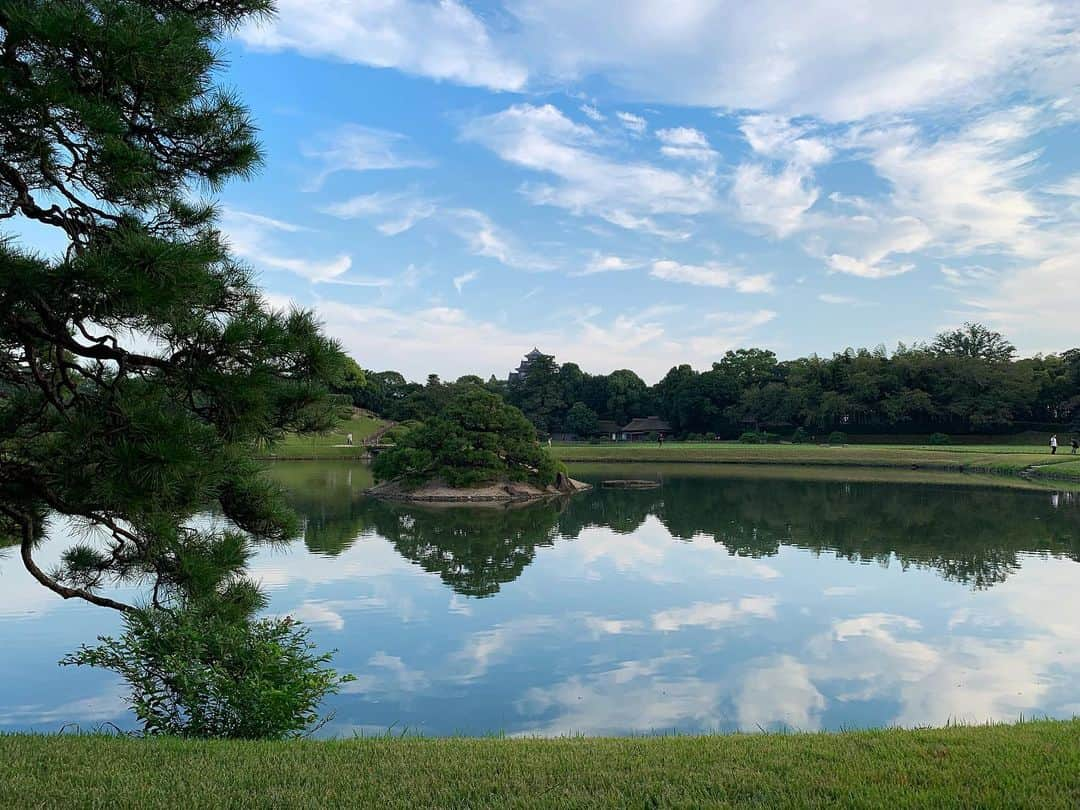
(728, 598)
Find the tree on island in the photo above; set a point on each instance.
(477, 439)
(140, 366)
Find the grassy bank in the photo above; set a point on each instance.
(1027, 765)
(328, 445)
(1012, 459)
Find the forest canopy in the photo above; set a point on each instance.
(966, 380)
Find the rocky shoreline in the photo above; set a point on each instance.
(496, 492)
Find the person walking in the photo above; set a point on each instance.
(1075, 445)
(348, 439)
(1053, 445)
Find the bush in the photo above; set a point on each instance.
(193, 673)
(710, 437)
(751, 437)
(939, 438)
(694, 437)
(837, 437)
(397, 432)
(800, 436)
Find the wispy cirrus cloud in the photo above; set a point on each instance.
(463, 279)
(256, 238)
(483, 237)
(444, 40)
(589, 181)
(686, 143)
(712, 274)
(357, 148)
(804, 58)
(635, 123)
(398, 211)
(606, 263)
(777, 189)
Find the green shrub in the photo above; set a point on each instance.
(751, 437)
(710, 437)
(194, 673)
(395, 434)
(694, 437)
(837, 437)
(939, 438)
(800, 436)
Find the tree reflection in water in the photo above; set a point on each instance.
(972, 535)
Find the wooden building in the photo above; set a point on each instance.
(643, 428)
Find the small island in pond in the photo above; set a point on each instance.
(478, 450)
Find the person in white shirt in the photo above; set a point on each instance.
(1053, 444)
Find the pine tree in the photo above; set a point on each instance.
(139, 365)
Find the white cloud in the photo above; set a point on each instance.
(712, 275)
(634, 123)
(714, 615)
(236, 218)
(775, 200)
(730, 330)
(592, 113)
(441, 40)
(319, 613)
(357, 148)
(1037, 303)
(463, 279)
(840, 263)
(627, 194)
(686, 143)
(601, 626)
(1069, 187)
(779, 692)
(839, 300)
(253, 237)
(741, 320)
(605, 263)
(889, 57)
(778, 137)
(778, 198)
(963, 187)
(839, 62)
(484, 238)
(645, 695)
(399, 212)
(405, 679)
(967, 276)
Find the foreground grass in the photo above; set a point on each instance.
(964, 458)
(328, 445)
(1033, 764)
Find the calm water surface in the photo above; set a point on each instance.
(727, 599)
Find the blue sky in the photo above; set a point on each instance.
(450, 183)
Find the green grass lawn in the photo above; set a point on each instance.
(965, 458)
(327, 445)
(1033, 764)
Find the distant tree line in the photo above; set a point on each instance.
(965, 381)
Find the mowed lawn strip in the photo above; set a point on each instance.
(973, 458)
(1034, 764)
(327, 445)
